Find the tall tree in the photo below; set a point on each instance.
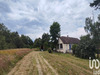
(37, 42)
(27, 41)
(15, 38)
(55, 33)
(3, 27)
(45, 37)
(95, 4)
(2, 42)
(45, 40)
(94, 30)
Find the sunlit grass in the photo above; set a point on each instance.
(8, 58)
(66, 64)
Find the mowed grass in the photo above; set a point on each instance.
(8, 58)
(66, 64)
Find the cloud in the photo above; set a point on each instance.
(79, 32)
(35, 32)
(34, 17)
(4, 9)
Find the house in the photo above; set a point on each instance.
(65, 44)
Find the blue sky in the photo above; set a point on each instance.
(34, 17)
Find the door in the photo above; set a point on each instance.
(69, 46)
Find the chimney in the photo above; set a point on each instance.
(67, 36)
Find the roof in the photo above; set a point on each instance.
(69, 40)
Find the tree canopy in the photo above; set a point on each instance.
(54, 33)
(96, 4)
(37, 42)
(86, 47)
(46, 41)
(93, 28)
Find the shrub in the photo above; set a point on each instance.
(74, 48)
(49, 50)
(30, 47)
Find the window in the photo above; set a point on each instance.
(61, 46)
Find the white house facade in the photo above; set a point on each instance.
(65, 44)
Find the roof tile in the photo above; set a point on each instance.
(69, 40)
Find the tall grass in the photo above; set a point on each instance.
(8, 58)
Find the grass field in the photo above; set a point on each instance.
(41, 63)
(8, 58)
(66, 64)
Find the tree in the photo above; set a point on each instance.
(37, 43)
(3, 30)
(15, 39)
(94, 30)
(45, 40)
(55, 33)
(95, 4)
(3, 27)
(2, 42)
(27, 41)
(86, 48)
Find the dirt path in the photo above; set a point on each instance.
(33, 64)
(38, 66)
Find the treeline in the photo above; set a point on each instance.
(9, 40)
(42, 42)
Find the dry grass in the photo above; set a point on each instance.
(8, 58)
(66, 64)
(63, 64)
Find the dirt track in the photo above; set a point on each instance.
(33, 64)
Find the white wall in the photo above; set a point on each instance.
(65, 47)
(60, 42)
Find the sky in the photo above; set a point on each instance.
(34, 17)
